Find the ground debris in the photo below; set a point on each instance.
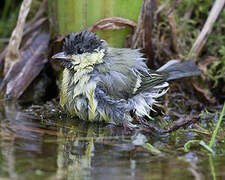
(182, 123)
(32, 57)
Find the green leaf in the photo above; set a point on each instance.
(217, 127)
(151, 148)
(189, 143)
(200, 142)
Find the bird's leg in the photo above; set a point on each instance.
(147, 126)
(128, 129)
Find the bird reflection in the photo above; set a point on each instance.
(77, 148)
(66, 147)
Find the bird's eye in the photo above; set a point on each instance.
(80, 50)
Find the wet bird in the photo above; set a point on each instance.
(101, 83)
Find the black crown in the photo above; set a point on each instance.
(84, 41)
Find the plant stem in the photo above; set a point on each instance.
(217, 127)
(212, 168)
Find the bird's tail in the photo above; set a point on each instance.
(176, 69)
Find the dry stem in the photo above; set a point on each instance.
(207, 28)
(13, 54)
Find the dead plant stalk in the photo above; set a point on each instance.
(207, 28)
(13, 54)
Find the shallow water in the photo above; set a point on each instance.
(33, 147)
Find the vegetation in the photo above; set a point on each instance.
(187, 129)
(8, 18)
(190, 16)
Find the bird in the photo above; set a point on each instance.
(105, 84)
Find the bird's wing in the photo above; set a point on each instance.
(125, 83)
(152, 81)
(120, 73)
(125, 74)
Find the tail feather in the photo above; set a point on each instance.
(177, 70)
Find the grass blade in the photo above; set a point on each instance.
(217, 127)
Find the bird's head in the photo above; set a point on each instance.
(81, 50)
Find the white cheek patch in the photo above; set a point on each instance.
(85, 60)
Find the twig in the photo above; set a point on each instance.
(172, 23)
(172, 7)
(188, 14)
(37, 16)
(160, 8)
(181, 124)
(112, 23)
(207, 28)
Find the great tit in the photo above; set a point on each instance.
(101, 83)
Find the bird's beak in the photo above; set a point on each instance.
(61, 55)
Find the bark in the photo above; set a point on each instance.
(142, 37)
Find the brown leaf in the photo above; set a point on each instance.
(30, 64)
(205, 92)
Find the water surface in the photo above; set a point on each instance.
(58, 147)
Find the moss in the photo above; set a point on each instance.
(187, 32)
